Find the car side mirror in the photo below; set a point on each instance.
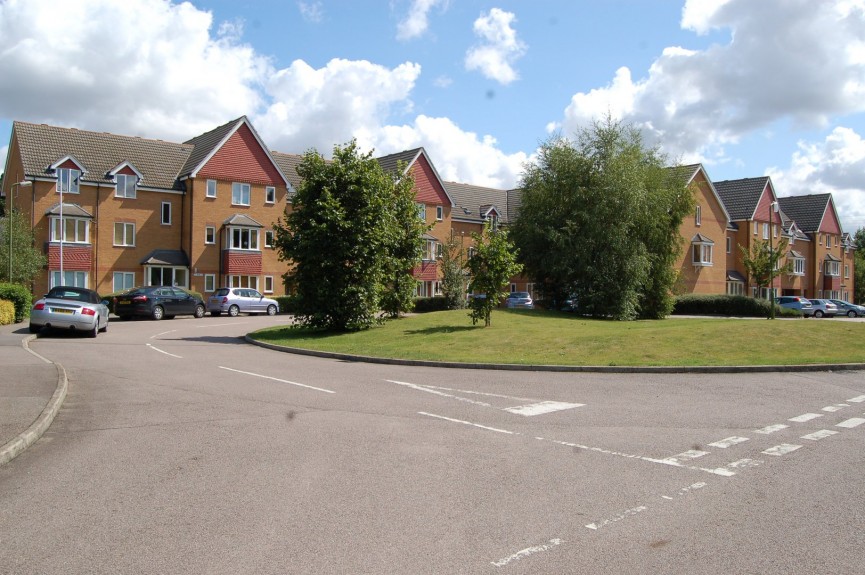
(106, 302)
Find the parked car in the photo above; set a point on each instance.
(849, 309)
(823, 307)
(157, 302)
(234, 301)
(795, 302)
(72, 308)
(519, 299)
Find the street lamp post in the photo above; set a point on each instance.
(9, 219)
(774, 210)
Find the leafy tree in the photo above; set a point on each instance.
(349, 239)
(27, 261)
(762, 263)
(454, 281)
(599, 219)
(859, 266)
(492, 265)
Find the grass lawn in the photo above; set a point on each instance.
(543, 338)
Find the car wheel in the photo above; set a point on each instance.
(271, 310)
(35, 328)
(199, 311)
(818, 313)
(95, 331)
(158, 313)
(105, 329)
(215, 313)
(851, 313)
(233, 311)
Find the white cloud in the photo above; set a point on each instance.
(311, 11)
(498, 49)
(834, 165)
(416, 22)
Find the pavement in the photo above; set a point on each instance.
(32, 389)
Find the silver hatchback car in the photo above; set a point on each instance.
(234, 301)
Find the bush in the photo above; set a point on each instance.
(20, 297)
(428, 304)
(287, 303)
(7, 312)
(729, 305)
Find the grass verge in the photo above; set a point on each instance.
(549, 338)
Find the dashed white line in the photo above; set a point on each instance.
(690, 454)
(818, 435)
(276, 379)
(743, 463)
(460, 421)
(162, 351)
(729, 442)
(469, 392)
(834, 408)
(851, 423)
(805, 417)
(771, 428)
(541, 407)
(857, 399)
(527, 552)
(624, 515)
(782, 449)
(439, 393)
(163, 333)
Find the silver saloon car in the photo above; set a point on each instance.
(70, 308)
(234, 301)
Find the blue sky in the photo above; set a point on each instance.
(748, 88)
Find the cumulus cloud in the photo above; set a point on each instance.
(498, 49)
(416, 22)
(807, 67)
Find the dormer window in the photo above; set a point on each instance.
(126, 185)
(68, 180)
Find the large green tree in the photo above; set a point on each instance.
(859, 266)
(491, 266)
(454, 278)
(27, 261)
(351, 240)
(599, 220)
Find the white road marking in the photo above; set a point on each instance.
(834, 408)
(276, 379)
(165, 352)
(163, 333)
(478, 425)
(818, 435)
(690, 454)
(857, 399)
(805, 417)
(625, 514)
(439, 393)
(527, 551)
(542, 407)
(771, 428)
(851, 423)
(729, 442)
(469, 392)
(742, 463)
(782, 449)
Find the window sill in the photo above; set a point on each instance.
(702, 264)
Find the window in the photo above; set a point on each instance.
(775, 230)
(126, 184)
(833, 268)
(167, 276)
(429, 250)
(240, 194)
(67, 181)
(798, 266)
(268, 284)
(439, 250)
(243, 239)
(765, 231)
(124, 234)
(73, 230)
(268, 238)
(122, 281)
(421, 211)
(729, 245)
(756, 228)
(209, 235)
(70, 278)
(735, 288)
(846, 270)
(270, 194)
(211, 189)
(820, 239)
(702, 254)
(440, 213)
(166, 213)
(698, 216)
(243, 281)
(210, 282)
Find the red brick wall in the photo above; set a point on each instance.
(242, 159)
(242, 263)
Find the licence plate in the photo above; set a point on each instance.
(61, 310)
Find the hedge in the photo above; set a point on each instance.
(7, 312)
(20, 297)
(428, 304)
(729, 305)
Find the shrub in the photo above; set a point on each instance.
(287, 303)
(7, 312)
(729, 305)
(428, 304)
(20, 297)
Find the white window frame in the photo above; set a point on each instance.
(252, 242)
(241, 194)
(209, 282)
(238, 281)
(846, 271)
(127, 280)
(68, 181)
(269, 195)
(765, 231)
(268, 238)
(832, 268)
(79, 225)
(162, 214)
(268, 284)
(79, 278)
(421, 211)
(729, 245)
(440, 213)
(211, 232)
(705, 254)
(756, 228)
(176, 271)
(122, 187)
(210, 190)
(127, 230)
(698, 216)
(798, 266)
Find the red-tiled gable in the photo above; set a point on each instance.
(242, 159)
(428, 188)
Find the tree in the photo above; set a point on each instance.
(492, 265)
(454, 282)
(762, 263)
(27, 261)
(351, 238)
(859, 266)
(599, 219)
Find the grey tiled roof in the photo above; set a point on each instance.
(100, 152)
(390, 162)
(468, 201)
(242, 220)
(166, 258)
(204, 144)
(288, 166)
(741, 197)
(806, 211)
(70, 210)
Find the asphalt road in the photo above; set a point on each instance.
(182, 449)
